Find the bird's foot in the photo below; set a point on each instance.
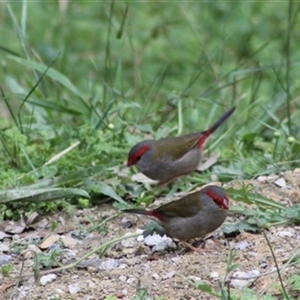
(196, 249)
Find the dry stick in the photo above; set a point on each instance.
(102, 248)
(21, 271)
(274, 258)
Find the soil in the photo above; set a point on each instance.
(130, 268)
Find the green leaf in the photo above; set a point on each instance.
(239, 226)
(109, 191)
(293, 213)
(245, 196)
(57, 76)
(38, 195)
(152, 227)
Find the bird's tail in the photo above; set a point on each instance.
(209, 131)
(136, 211)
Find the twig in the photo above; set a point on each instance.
(274, 258)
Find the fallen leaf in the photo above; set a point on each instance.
(14, 227)
(6, 286)
(139, 177)
(49, 241)
(31, 218)
(209, 162)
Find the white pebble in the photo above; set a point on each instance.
(246, 278)
(74, 288)
(129, 243)
(155, 276)
(214, 275)
(59, 291)
(130, 280)
(262, 178)
(194, 278)
(91, 284)
(4, 247)
(109, 264)
(123, 278)
(176, 259)
(140, 238)
(284, 234)
(242, 245)
(47, 279)
(169, 275)
(158, 242)
(280, 182)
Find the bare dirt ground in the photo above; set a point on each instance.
(129, 267)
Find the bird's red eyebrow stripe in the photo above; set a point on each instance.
(223, 202)
(132, 160)
(142, 151)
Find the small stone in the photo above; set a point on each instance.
(4, 235)
(280, 182)
(242, 245)
(262, 178)
(123, 278)
(92, 269)
(76, 234)
(122, 266)
(194, 278)
(47, 279)
(252, 253)
(263, 264)
(131, 280)
(109, 264)
(284, 234)
(133, 261)
(59, 291)
(140, 238)
(169, 275)
(129, 243)
(4, 259)
(126, 223)
(128, 251)
(155, 276)
(54, 247)
(4, 247)
(69, 242)
(176, 259)
(74, 288)
(91, 284)
(244, 281)
(214, 275)
(158, 242)
(15, 237)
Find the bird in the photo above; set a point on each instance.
(192, 216)
(168, 158)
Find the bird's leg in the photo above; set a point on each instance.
(197, 249)
(190, 246)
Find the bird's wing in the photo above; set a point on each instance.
(187, 206)
(176, 147)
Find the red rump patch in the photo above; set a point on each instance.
(204, 137)
(155, 214)
(223, 202)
